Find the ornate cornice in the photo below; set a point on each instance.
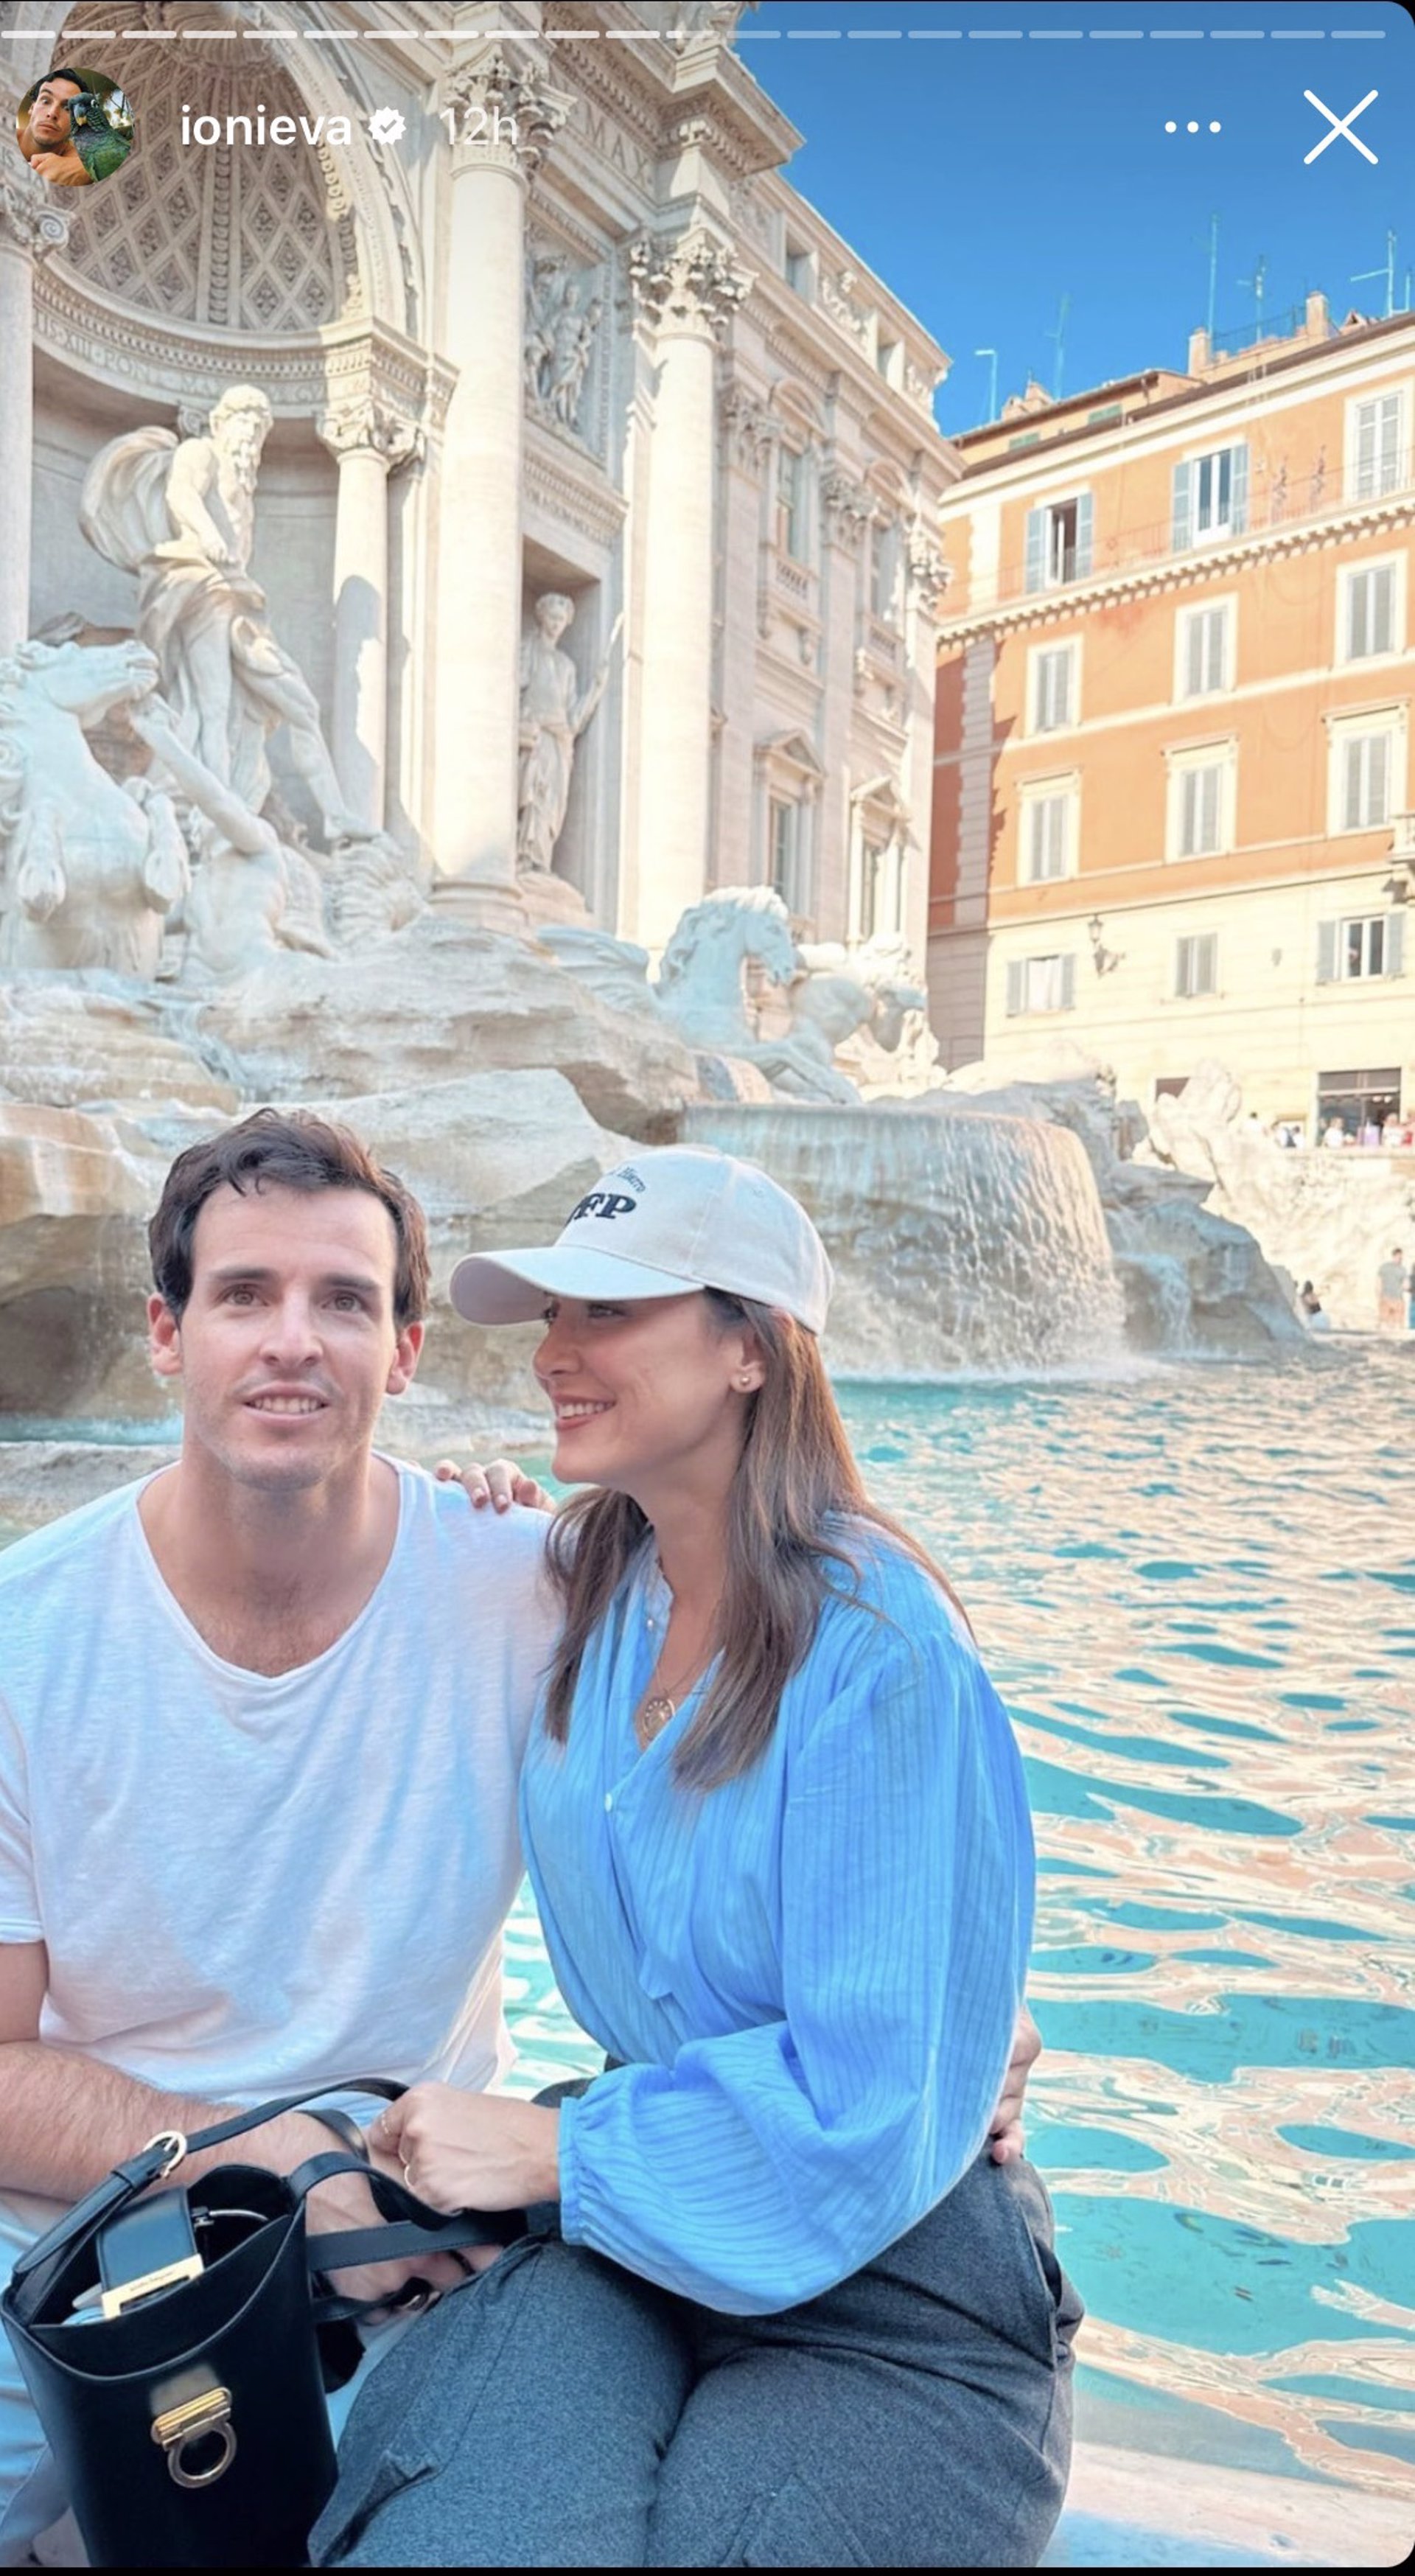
(502, 113)
(172, 363)
(571, 487)
(1180, 572)
(689, 281)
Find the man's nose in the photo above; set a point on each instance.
(292, 1330)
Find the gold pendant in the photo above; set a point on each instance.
(654, 1716)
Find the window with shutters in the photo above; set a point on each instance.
(1058, 543)
(785, 835)
(1366, 783)
(1049, 834)
(1054, 687)
(1210, 498)
(1036, 984)
(884, 572)
(1377, 444)
(1358, 950)
(1369, 606)
(871, 888)
(1202, 800)
(1203, 654)
(1196, 965)
(791, 512)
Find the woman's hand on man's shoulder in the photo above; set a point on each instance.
(500, 1483)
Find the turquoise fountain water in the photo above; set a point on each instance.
(1197, 1594)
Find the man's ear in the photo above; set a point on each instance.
(405, 1358)
(164, 1338)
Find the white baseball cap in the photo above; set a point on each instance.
(677, 1219)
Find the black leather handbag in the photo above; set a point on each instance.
(171, 2341)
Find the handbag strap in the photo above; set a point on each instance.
(30, 2276)
(410, 2226)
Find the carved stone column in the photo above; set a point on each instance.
(29, 226)
(688, 288)
(368, 443)
(501, 115)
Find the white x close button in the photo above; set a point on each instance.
(1340, 125)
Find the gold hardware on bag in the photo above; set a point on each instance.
(126, 2294)
(201, 2419)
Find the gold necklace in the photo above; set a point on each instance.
(659, 1707)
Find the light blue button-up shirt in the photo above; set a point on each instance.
(812, 1973)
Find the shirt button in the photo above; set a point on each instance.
(608, 1800)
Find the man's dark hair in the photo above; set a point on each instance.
(64, 72)
(281, 1149)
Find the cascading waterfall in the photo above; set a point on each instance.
(961, 1241)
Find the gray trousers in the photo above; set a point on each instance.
(558, 2412)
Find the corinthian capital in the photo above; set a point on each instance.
(690, 281)
(360, 422)
(28, 221)
(501, 113)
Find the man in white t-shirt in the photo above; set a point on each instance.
(261, 1720)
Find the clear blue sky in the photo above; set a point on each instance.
(985, 176)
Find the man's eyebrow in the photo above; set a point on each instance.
(226, 1273)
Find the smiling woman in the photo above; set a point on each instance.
(780, 2303)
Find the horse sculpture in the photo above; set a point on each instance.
(88, 868)
(700, 985)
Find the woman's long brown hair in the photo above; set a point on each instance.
(795, 1481)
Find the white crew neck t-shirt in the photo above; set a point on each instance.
(253, 1884)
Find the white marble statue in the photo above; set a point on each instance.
(554, 713)
(701, 982)
(251, 894)
(862, 1012)
(88, 868)
(180, 513)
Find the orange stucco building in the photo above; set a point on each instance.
(1171, 781)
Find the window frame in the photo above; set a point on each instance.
(1377, 490)
(1064, 789)
(1185, 619)
(1355, 724)
(1071, 649)
(1020, 968)
(1182, 764)
(793, 514)
(1347, 576)
(1186, 535)
(1191, 940)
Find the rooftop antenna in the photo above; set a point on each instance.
(1387, 271)
(1213, 277)
(992, 379)
(1256, 283)
(1058, 337)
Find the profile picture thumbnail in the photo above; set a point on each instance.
(75, 127)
